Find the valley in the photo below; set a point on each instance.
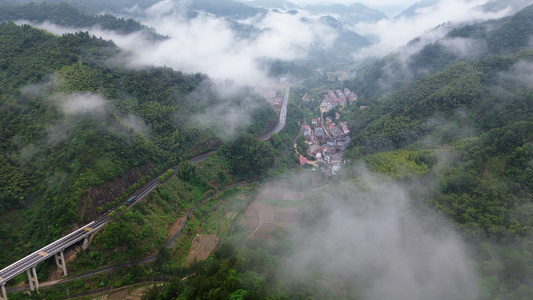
(266, 150)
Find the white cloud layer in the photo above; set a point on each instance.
(394, 33)
(209, 45)
(348, 2)
(371, 238)
(73, 104)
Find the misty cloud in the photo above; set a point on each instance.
(394, 33)
(58, 133)
(94, 106)
(445, 130)
(522, 72)
(39, 89)
(370, 238)
(210, 45)
(73, 104)
(466, 48)
(136, 124)
(232, 111)
(224, 120)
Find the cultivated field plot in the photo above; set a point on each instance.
(118, 295)
(230, 215)
(259, 212)
(263, 232)
(202, 246)
(281, 192)
(262, 218)
(275, 192)
(137, 294)
(293, 196)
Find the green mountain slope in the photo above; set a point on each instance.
(466, 126)
(66, 15)
(494, 37)
(95, 6)
(71, 122)
(458, 136)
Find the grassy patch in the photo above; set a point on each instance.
(401, 163)
(142, 228)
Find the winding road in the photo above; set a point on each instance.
(61, 244)
(282, 115)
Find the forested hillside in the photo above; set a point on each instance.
(66, 15)
(438, 172)
(468, 126)
(460, 43)
(456, 131)
(72, 120)
(96, 6)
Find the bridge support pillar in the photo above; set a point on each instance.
(85, 245)
(4, 294)
(61, 263)
(34, 282)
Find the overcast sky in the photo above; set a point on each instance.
(211, 46)
(348, 2)
(389, 7)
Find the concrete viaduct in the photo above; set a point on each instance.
(56, 249)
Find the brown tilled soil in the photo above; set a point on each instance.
(261, 236)
(261, 219)
(287, 215)
(230, 215)
(178, 225)
(118, 295)
(202, 246)
(293, 196)
(137, 294)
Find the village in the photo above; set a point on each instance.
(327, 138)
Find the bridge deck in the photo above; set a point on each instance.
(44, 253)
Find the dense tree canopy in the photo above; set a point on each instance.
(72, 121)
(475, 116)
(249, 157)
(66, 15)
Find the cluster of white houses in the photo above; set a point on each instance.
(327, 140)
(337, 98)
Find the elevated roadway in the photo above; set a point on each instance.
(28, 263)
(56, 249)
(282, 115)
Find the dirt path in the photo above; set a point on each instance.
(177, 226)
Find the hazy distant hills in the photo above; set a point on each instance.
(226, 8)
(413, 9)
(272, 4)
(347, 40)
(462, 43)
(496, 5)
(350, 14)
